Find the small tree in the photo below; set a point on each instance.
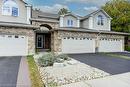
(63, 11)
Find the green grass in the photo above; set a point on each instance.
(34, 73)
(127, 48)
(119, 56)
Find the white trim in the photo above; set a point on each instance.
(28, 14)
(91, 22)
(78, 22)
(61, 21)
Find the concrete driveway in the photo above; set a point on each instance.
(104, 62)
(9, 67)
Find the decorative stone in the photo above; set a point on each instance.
(72, 62)
(58, 65)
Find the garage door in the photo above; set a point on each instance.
(13, 45)
(110, 45)
(78, 45)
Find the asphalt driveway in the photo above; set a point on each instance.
(104, 62)
(9, 67)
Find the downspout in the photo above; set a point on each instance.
(97, 42)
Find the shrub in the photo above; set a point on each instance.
(46, 60)
(63, 56)
(49, 59)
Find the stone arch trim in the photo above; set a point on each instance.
(46, 25)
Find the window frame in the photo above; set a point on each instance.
(70, 23)
(8, 8)
(100, 20)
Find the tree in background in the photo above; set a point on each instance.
(63, 11)
(119, 10)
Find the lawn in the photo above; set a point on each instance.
(34, 73)
(119, 56)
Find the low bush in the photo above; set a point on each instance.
(46, 60)
(50, 58)
(63, 56)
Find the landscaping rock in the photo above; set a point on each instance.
(73, 72)
(58, 65)
(72, 62)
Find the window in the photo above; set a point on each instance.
(6, 10)
(9, 36)
(100, 20)
(70, 23)
(16, 36)
(10, 7)
(73, 38)
(68, 37)
(14, 11)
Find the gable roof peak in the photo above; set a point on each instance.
(95, 12)
(70, 14)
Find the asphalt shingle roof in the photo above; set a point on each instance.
(40, 14)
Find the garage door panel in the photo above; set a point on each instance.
(110, 46)
(78, 46)
(10, 45)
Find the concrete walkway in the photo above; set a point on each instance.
(23, 79)
(121, 80)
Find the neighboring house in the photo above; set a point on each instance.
(23, 31)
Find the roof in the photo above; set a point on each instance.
(23, 1)
(95, 12)
(71, 14)
(39, 14)
(19, 25)
(91, 31)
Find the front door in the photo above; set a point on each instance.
(48, 41)
(40, 41)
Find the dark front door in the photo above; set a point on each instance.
(47, 41)
(43, 41)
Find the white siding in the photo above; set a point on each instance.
(106, 25)
(66, 18)
(85, 23)
(91, 22)
(22, 18)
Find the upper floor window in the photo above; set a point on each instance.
(70, 23)
(10, 7)
(100, 20)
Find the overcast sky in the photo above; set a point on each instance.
(80, 7)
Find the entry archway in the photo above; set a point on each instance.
(43, 38)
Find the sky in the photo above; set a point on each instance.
(79, 7)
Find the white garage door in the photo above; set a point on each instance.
(78, 45)
(13, 45)
(110, 45)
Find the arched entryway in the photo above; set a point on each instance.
(43, 38)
